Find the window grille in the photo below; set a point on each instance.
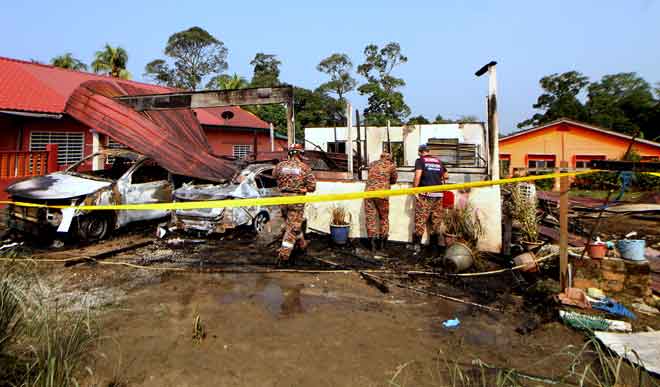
(241, 151)
(70, 145)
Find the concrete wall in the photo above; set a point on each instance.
(402, 212)
(411, 136)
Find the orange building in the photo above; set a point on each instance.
(541, 148)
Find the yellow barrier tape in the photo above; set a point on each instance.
(278, 200)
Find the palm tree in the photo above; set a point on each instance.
(111, 61)
(67, 61)
(227, 82)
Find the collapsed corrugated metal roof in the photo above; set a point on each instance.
(173, 138)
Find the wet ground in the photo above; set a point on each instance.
(263, 327)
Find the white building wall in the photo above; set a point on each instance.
(486, 200)
(412, 137)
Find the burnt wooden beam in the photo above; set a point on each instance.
(217, 98)
(209, 98)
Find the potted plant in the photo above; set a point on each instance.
(340, 225)
(523, 211)
(462, 232)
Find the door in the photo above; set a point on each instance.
(146, 182)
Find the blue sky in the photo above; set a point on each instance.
(445, 41)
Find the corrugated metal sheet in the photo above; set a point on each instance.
(173, 138)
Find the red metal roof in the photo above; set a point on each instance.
(35, 87)
(239, 117)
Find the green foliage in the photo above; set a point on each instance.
(196, 54)
(312, 108)
(67, 61)
(418, 120)
(266, 70)
(544, 184)
(385, 102)
(440, 120)
(11, 314)
(111, 61)
(620, 102)
(227, 82)
(560, 99)
(61, 347)
(338, 67)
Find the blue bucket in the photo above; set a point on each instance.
(632, 249)
(339, 234)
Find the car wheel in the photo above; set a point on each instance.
(259, 223)
(93, 227)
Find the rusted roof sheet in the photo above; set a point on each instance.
(173, 138)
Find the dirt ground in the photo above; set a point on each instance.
(298, 329)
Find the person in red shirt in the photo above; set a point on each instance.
(429, 171)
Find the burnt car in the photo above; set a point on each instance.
(254, 181)
(131, 178)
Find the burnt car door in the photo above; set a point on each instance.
(145, 182)
(266, 183)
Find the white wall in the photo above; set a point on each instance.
(486, 200)
(402, 212)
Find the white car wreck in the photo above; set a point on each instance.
(131, 179)
(254, 181)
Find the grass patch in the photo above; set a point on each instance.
(39, 345)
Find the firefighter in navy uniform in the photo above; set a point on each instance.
(429, 171)
(294, 177)
(382, 174)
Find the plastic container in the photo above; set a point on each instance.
(597, 250)
(458, 258)
(529, 260)
(448, 199)
(632, 249)
(339, 233)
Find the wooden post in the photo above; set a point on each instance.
(290, 125)
(359, 143)
(349, 139)
(52, 157)
(272, 138)
(389, 144)
(254, 143)
(563, 227)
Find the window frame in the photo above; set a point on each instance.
(65, 155)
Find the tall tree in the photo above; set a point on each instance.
(384, 100)
(467, 118)
(266, 70)
(440, 120)
(195, 53)
(111, 61)
(67, 61)
(560, 99)
(338, 67)
(227, 82)
(623, 102)
(418, 120)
